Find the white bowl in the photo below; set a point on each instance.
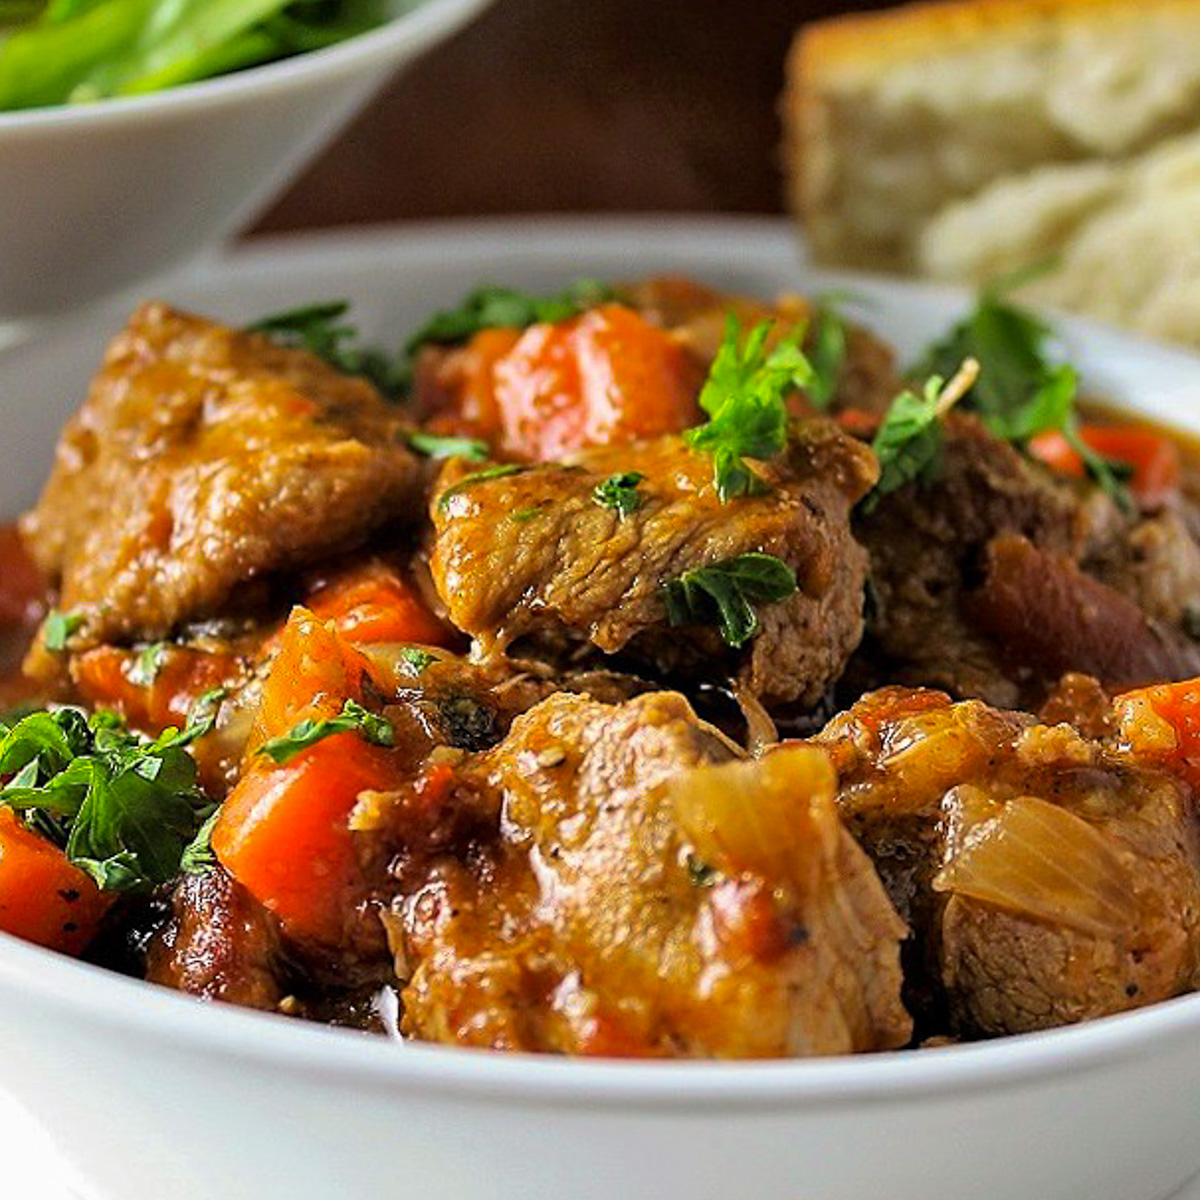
(96, 196)
(149, 1094)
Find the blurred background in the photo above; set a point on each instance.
(554, 106)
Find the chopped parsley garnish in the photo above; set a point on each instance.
(352, 719)
(1020, 391)
(725, 594)
(123, 807)
(826, 339)
(416, 659)
(145, 668)
(433, 446)
(499, 471)
(58, 628)
(620, 493)
(319, 328)
(198, 856)
(522, 516)
(744, 398)
(908, 443)
(492, 307)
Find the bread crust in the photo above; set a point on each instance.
(862, 43)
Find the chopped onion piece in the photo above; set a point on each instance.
(772, 816)
(1044, 862)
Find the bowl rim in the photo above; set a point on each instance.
(127, 1007)
(417, 26)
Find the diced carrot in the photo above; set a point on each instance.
(1161, 725)
(606, 376)
(315, 671)
(106, 676)
(1153, 457)
(455, 388)
(283, 832)
(22, 588)
(43, 897)
(372, 602)
(859, 423)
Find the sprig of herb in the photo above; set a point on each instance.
(492, 307)
(826, 350)
(319, 329)
(909, 440)
(500, 471)
(352, 719)
(744, 398)
(1020, 391)
(620, 493)
(124, 808)
(434, 446)
(725, 594)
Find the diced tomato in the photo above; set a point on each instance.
(43, 897)
(1153, 457)
(606, 376)
(177, 677)
(374, 603)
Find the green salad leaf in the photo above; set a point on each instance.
(84, 50)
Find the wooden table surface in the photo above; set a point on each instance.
(564, 106)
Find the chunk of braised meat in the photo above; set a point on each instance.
(1048, 617)
(926, 542)
(533, 556)
(620, 908)
(203, 458)
(220, 944)
(1048, 879)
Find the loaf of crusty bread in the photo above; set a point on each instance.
(971, 139)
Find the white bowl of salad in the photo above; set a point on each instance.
(136, 134)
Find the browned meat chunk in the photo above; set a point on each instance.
(1048, 879)
(629, 907)
(532, 554)
(220, 944)
(1049, 617)
(926, 541)
(203, 458)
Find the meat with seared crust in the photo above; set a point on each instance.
(533, 555)
(1048, 878)
(203, 458)
(592, 926)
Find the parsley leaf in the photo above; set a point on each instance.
(58, 628)
(319, 329)
(492, 307)
(198, 855)
(415, 659)
(433, 446)
(909, 440)
(497, 472)
(743, 397)
(149, 662)
(725, 593)
(1020, 392)
(121, 806)
(826, 338)
(619, 492)
(352, 719)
